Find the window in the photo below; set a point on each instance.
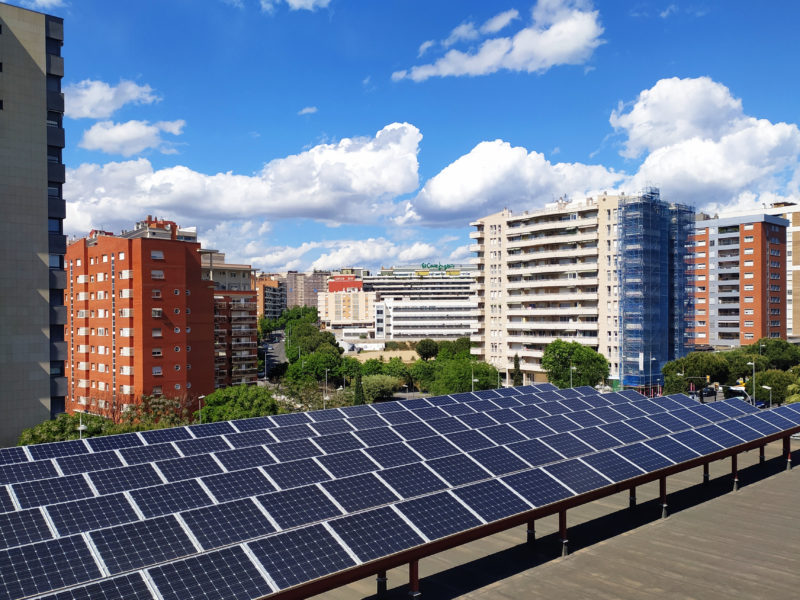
(156, 390)
(177, 311)
(177, 330)
(177, 367)
(177, 348)
(748, 227)
(188, 385)
(157, 371)
(748, 276)
(188, 311)
(749, 287)
(157, 332)
(748, 238)
(122, 256)
(748, 298)
(156, 313)
(188, 330)
(748, 323)
(157, 274)
(177, 386)
(188, 348)
(749, 311)
(105, 257)
(176, 291)
(749, 336)
(748, 263)
(156, 351)
(748, 251)
(157, 254)
(156, 294)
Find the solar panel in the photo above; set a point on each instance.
(5, 500)
(412, 480)
(359, 492)
(340, 442)
(290, 419)
(533, 428)
(14, 454)
(392, 455)
(227, 574)
(169, 498)
(447, 425)
(483, 405)
(433, 447)
(296, 473)
(559, 423)
(299, 506)
(115, 442)
(554, 408)
(411, 431)
(129, 587)
(202, 445)
(227, 523)
(643, 457)
(190, 467)
(253, 424)
(537, 487)
(143, 454)
(300, 555)
(457, 410)
(124, 478)
(48, 491)
(377, 437)
(384, 408)
(566, 444)
(431, 412)
(202, 430)
(330, 414)
(669, 422)
(368, 422)
(675, 451)
(477, 420)
(238, 484)
(375, 533)
(82, 463)
(689, 417)
(23, 527)
(458, 469)
(55, 449)
(329, 427)
(396, 418)
(294, 450)
(364, 410)
(596, 438)
(91, 513)
(244, 458)
(469, 440)
(498, 460)
(720, 436)
(158, 436)
(740, 430)
(577, 476)
(502, 434)
(607, 414)
(438, 515)
(612, 466)
(344, 464)
(507, 402)
(283, 434)
(629, 410)
(260, 437)
(534, 452)
(697, 442)
(491, 500)
(29, 471)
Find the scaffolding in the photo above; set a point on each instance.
(653, 276)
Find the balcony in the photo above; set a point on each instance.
(546, 225)
(59, 351)
(56, 172)
(552, 283)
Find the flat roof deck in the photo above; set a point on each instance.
(715, 544)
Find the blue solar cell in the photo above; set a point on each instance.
(585, 419)
(415, 403)
(202, 445)
(458, 469)
(622, 432)
(430, 412)
(612, 466)
(669, 422)
(726, 409)
(464, 397)
(696, 442)
(48, 491)
(559, 423)
(125, 478)
(720, 436)
(629, 410)
(528, 399)
(403, 416)
(743, 406)
(771, 417)
(363, 410)
(386, 408)
(284, 434)
(23, 527)
(689, 417)
(447, 425)
(505, 415)
(554, 408)
(569, 393)
(704, 410)
(294, 450)
(596, 401)
(577, 476)
(41, 469)
(368, 422)
(329, 414)
(344, 464)
(412, 480)
(643, 457)
(441, 400)
(530, 412)
(331, 427)
(114, 442)
(359, 492)
(507, 402)
(575, 404)
(477, 420)
(649, 406)
(91, 513)
(438, 515)
(244, 458)
(506, 391)
(668, 404)
(378, 437)
(341, 442)
(548, 395)
(787, 413)
(566, 444)
(616, 398)
(135, 545)
(647, 427)
(211, 429)
(631, 395)
(533, 428)
(534, 452)
(682, 399)
(483, 405)
(392, 455)
(300, 506)
(159, 436)
(585, 390)
(253, 424)
(127, 587)
(456, 410)
(189, 467)
(5, 500)
(228, 574)
(169, 498)
(608, 414)
(287, 419)
(673, 450)
(296, 473)
(469, 440)
(375, 533)
(15, 454)
(45, 566)
(256, 437)
(537, 487)
(502, 434)
(759, 424)
(740, 430)
(498, 460)
(238, 484)
(595, 437)
(143, 454)
(492, 500)
(486, 394)
(433, 447)
(412, 431)
(222, 524)
(54, 449)
(293, 557)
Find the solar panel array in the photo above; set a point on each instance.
(244, 509)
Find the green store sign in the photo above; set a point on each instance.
(436, 266)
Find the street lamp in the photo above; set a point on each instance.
(652, 358)
(571, 369)
(472, 376)
(766, 387)
(199, 408)
(81, 426)
(754, 380)
(325, 397)
(760, 346)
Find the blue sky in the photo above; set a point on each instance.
(326, 133)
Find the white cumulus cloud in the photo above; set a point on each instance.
(131, 137)
(312, 5)
(499, 21)
(562, 32)
(308, 110)
(92, 99)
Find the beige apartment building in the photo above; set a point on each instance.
(349, 314)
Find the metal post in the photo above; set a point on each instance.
(562, 529)
(382, 582)
(787, 450)
(735, 471)
(662, 488)
(761, 457)
(531, 538)
(705, 473)
(632, 498)
(413, 579)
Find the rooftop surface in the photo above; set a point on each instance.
(715, 544)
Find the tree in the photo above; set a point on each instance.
(737, 364)
(378, 388)
(396, 368)
(427, 349)
(373, 366)
(358, 398)
(453, 349)
(65, 427)
(238, 402)
(423, 374)
(559, 357)
(349, 367)
(692, 369)
(776, 379)
(780, 353)
(516, 374)
(453, 376)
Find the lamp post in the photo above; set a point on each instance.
(199, 407)
(81, 426)
(325, 397)
(754, 380)
(769, 389)
(760, 346)
(571, 369)
(652, 358)
(472, 376)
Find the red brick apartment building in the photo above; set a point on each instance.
(739, 272)
(235, 338)
(140, 319)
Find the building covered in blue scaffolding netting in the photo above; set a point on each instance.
(655, 285)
